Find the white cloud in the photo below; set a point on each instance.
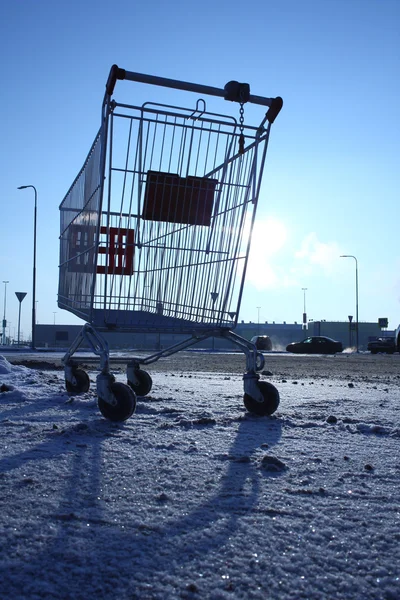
(272, 265)
(315, 253)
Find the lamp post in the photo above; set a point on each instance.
(24, 187)
(54, 320)
(351, 256)
(304, 311)
(4, 317)
(258, 320)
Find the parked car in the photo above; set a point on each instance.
(382, 344)
(315, 345)
(262, 342)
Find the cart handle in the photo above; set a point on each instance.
(233, 91)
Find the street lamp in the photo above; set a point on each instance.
(351, 256)
(4, 317)
(304, 311)
(24, 187)
(258, 320)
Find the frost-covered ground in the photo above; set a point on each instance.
(195, 498)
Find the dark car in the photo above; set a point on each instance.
(316, 345)
(383, 344)
(262, 342)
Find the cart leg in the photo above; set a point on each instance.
(254, 359)
(97, 344)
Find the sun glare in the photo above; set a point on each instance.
(269, 236)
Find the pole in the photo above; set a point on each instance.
(19, 320)
(258, 320)
(4, 317)
(351, 256)
(304, 311)
(350, 320)
(357, 340)
(23, 187)
(20, 296)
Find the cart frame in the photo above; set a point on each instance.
(180, 223)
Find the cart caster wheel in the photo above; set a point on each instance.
(143, 385)
(126, 403)
(260, 361)
(82, 382)
(270, 400)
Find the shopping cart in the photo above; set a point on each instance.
(156, 230)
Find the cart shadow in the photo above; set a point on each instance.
(140, 548)
(238, 493)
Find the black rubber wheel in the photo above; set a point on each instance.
(82, 383)
(144, 385)
(270, 402)
(374, 351)
(126, 403)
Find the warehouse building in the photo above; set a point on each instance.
(281, 334)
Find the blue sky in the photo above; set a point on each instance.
(331, 184)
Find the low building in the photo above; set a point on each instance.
(281, 334)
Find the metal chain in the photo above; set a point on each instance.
(241, 126)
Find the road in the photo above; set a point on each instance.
(348, 366)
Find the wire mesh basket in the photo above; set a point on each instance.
(156, 227)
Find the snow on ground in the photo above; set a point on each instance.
(193, 497)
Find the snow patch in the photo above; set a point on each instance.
(195, 497)
(5, 366)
